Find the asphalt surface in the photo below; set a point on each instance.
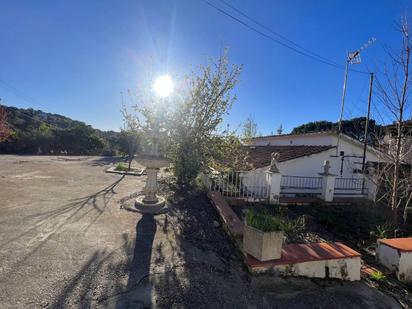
(66, 242)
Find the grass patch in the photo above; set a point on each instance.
(271, 218)
(121, 167)
(263, 221)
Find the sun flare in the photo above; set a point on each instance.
(163, 86)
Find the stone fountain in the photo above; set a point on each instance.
(150, 202)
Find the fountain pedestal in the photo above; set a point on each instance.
(151, 203)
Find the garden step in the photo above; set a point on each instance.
(367, 270)
(317, 260)
(228, 216)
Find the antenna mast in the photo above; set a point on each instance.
(351, 58)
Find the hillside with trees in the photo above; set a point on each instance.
(37, 132)
(354, 128)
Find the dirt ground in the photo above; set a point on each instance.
(67, 241)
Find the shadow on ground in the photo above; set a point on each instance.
(106, 279)
(103, 161)
(183, 260)
(52, 222)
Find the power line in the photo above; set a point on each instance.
(26, 98)
(17, 92)
(29, 100)
(308, 54)
(264, 34)
(277, 33)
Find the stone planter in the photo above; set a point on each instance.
(263, 246)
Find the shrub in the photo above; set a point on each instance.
(196, 119)
(121, 167)
(264, 222)
(294, 226)
(382, 231)
(378, 276)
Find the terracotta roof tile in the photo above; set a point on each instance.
(401, 244)
(260, 156)
(301, 253)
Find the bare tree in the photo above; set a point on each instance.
(393, 92)
(249, 128)
(130, 134)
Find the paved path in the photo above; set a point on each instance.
(65, 242)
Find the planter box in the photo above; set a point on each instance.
(262, 246)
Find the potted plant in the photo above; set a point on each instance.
(263, 236)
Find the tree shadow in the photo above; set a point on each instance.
(93, 282)
(87, 288)
(76, 209)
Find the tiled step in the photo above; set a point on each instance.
(316, 260)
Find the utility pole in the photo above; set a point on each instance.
(365, 139)
(345, 80)
(352, 58)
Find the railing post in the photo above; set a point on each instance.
(205, 181)
(273, 180)
(328, 183)
(371, 183)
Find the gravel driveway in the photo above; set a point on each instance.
(65, 241)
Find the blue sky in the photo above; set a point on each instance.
(76, 57)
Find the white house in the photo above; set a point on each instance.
(304, 154)
(301, 159)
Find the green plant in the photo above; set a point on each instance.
(121, 167)
(382, 231)
(264, 222)
(196, 119)
(378, 276)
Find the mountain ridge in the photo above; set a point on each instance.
(36, 131)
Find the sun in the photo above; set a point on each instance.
(163, 86)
